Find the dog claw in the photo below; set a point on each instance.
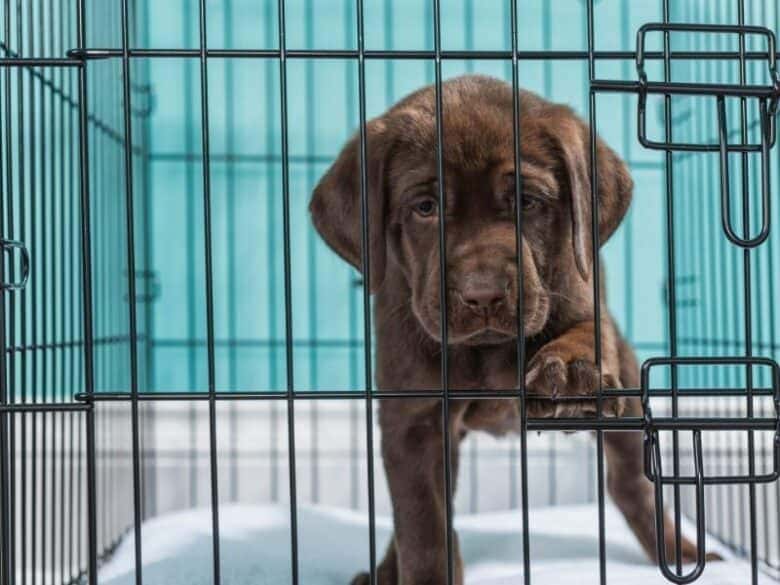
(569, 389)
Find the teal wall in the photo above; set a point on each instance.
(244, 112)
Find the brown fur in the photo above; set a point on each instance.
(558, 308)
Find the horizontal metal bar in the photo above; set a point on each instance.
(326, 453)
(306, 395)
(722, 480)
(351, 343)
(757, 361)
(660, 423)
(540, 424)
(241, 157)
(704, 28)
(659, 87)
(254, 158)
(405, 54)
(410, 394)
(40, 62)
(71, 344)
(44, 407)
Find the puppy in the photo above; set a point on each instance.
(482, 293)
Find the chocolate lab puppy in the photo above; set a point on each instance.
(482, 289)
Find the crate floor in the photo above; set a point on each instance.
(333, 545)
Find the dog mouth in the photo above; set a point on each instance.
(488, 336)
(478, 332)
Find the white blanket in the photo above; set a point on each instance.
(333, 546)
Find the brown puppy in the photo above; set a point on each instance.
(558, 307)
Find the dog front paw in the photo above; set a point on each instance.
(561, 386)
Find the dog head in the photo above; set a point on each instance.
(403, 213)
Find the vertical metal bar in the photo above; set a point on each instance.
(20, 104)
(366, 262)
(547, 35)
(54, 298)
(76, 298)
(596, 290)
(8, 428)
(6, 455)
(86, 283)
(33, 298)
(204, 115)
(672, 280)
(99, 207)
(707, 328)
(725, 266)
(354, 422)
(45, 306)
(20, 107)
(288, 290)
(74, 520)
(747, 284)
(43, 262)
(445, 411)
(520, 348)
(131, 291)
(734, 336)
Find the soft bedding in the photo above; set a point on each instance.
(333, 546)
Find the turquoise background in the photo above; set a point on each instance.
(246, 194)
(244, 111)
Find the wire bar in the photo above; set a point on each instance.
(288, 322)
(443, 299)
(596, 277)
(366, 263)
(209, 276)
(131, 294)
(671, 253)
(520, 348)
(477, 55)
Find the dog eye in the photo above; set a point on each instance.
(530, 203)
(425, 207)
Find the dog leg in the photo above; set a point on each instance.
(412, 453)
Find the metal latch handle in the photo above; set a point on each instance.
(9, 246)
(651, 441)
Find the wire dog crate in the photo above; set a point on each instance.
(175, 335)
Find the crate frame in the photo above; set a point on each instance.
(85, 403)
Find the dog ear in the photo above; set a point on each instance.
(336, 209)
(615, 186)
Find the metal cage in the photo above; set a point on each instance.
(162, 295)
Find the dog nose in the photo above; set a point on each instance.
(483, 293)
